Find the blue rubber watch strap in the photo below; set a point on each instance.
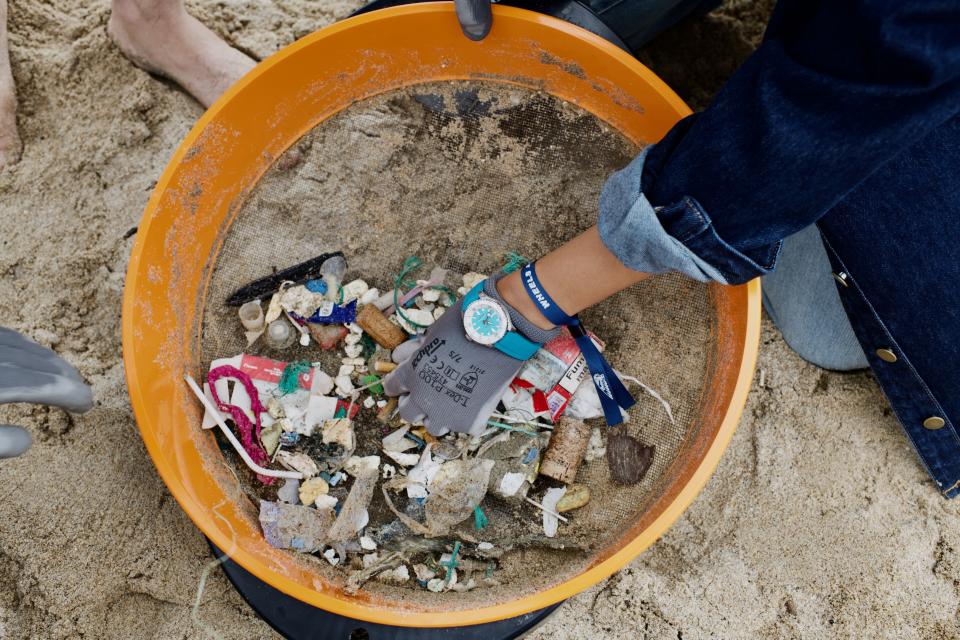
(512, 344)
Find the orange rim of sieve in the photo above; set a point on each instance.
(235, 142)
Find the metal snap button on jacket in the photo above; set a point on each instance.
(841, 278)
(886, 355)
(933, 422)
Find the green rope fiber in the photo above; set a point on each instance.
(410, 265)
(514, 262)
(480, 519)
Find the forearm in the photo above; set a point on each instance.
(577, 275)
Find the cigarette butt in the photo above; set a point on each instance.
(383, 332)
(383, 366)
(568, 445)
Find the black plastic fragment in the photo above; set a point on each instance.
(298, 274)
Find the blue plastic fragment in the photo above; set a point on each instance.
(530, 455)
(420, 501)
(415, 438)
(341, 314)
(289, 438)
(316, 286)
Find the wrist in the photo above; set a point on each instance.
(511, 289)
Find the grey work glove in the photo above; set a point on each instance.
(35, 374)
(452, 383)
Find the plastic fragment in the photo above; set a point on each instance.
(316, 286)
(397, 441)
(549, 503)
(325, 501)
(362, 467)
(332, 271)
(367, 543)
(369, 402)
(331, 557)
(270, 438)
(416, 320)
(280, 334)
(340, 431)
(355, 289)
(627, 458)
(370, 379)
(290, 491)
(288, 526)
(395, 576)
(370, 296)
(577, 495)
(485, 546)
(480, 519)
(403, 459)
(344, 385)
(455, 490)
(311, 489)
(328, 336)
(386, 411)
(353, 514)
(298, 462)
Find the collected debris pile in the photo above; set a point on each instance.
(339, 474)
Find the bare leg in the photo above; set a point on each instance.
(10, 146)
(161, 37)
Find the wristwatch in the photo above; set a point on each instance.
(486, 321)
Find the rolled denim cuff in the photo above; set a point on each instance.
(679, 237)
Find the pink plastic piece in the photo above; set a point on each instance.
(249, 433)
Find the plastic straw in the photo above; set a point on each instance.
(197, 391)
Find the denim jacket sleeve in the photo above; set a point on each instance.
(835, 91)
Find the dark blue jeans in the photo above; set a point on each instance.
(848, 117)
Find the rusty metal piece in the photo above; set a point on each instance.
(378, 327)
(568, 445)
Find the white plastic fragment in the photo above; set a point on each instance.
(344, 385)
(354, 289)
(370, 295)
(485, 546)
(300, 300)
(421, 475)
(311, 489)
(403, 459)
(597, 447)
(396, 441)
(511, 483)
(353, 350)
(325, 501)
(418, 316)
(290, 491)
(298, 462)
(398, 575)
(431, 295)
(423, 572)
(354, 328)
(331, 557)
(381, 404)
(353, 361)
(368, 402)
(362, 466)
(352, 338)
(322, 383)
(550, 521)
(367, 543)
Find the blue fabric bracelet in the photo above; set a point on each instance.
(613, 395)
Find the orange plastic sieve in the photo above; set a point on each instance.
(203, 200)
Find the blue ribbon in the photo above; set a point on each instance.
(613, 395)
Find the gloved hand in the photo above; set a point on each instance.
(475, 17)
(35, 374)
(452, 383)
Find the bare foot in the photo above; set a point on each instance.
(161, 37)
(10, 146)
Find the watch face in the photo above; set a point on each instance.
(485, 321)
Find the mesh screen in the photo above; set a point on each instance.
(458, 174)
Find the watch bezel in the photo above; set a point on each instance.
(483, 300)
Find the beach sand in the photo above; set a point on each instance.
(820, 521)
